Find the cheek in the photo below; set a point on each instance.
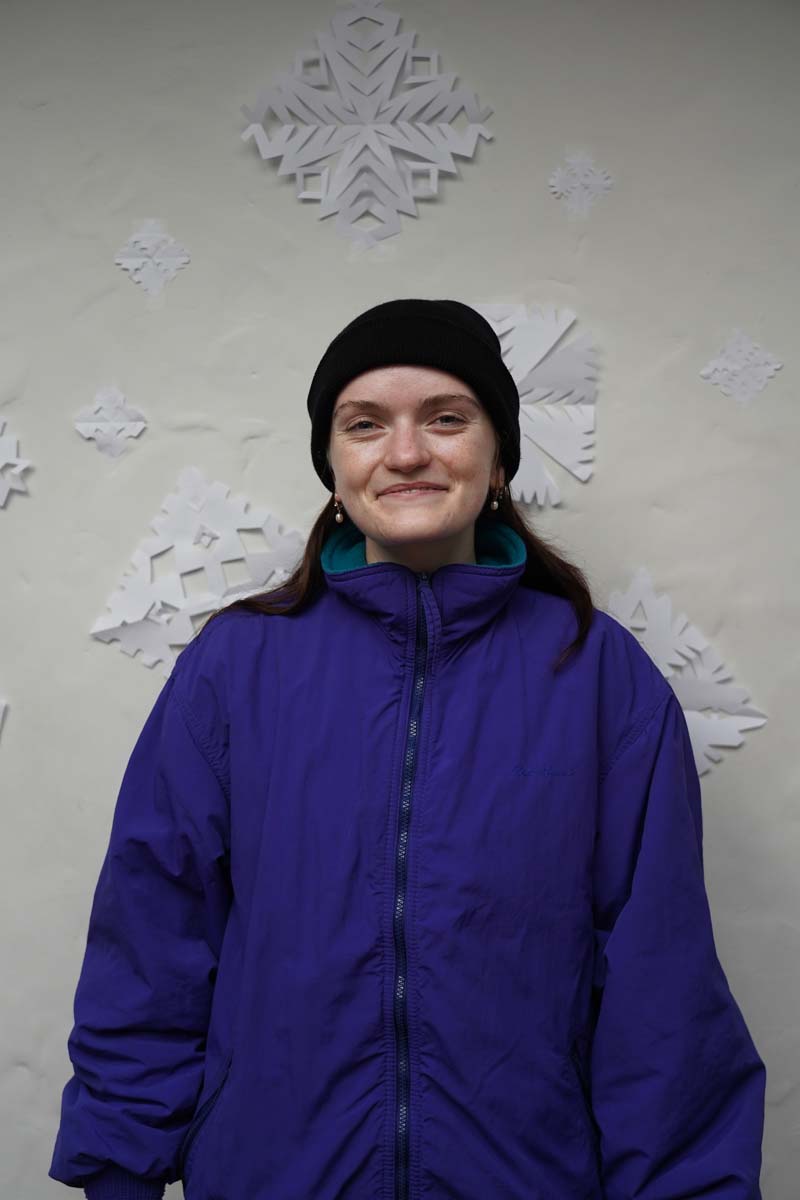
(468, 455)
(354, 464)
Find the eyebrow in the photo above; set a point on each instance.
(428, 402)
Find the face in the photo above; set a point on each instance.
(404, 425)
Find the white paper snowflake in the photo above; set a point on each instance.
(200, 529)
(110, 421)
(716, 709)
(11, 466)
(152, 257)
(370, 119)
(557, 388)
(742, 368)
(579, 183)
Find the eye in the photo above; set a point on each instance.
(366, 421)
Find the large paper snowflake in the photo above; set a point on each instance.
(742, 368)
(110, 421)
(206, 534)
(557, 388)
(11, 466)
(370, 119)
(152, 256)
(579, 183)
(717, 710)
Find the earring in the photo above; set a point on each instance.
(338, 506)
(495, 503)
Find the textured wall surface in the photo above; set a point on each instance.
(115, 112)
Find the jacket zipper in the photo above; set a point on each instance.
(401, 867)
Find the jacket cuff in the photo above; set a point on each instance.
(115, 1183)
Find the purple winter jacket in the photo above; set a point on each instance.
(393, 910)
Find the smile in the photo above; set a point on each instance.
(412, 492)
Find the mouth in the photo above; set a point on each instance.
(412, 492)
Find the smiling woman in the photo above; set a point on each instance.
(410, 392)
(394, 905)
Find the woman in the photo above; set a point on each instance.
(404, 893)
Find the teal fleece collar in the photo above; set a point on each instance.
(496, 545)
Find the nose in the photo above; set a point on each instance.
(405, 447)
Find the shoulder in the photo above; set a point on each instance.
(631, 687)
(611, 671)
(610, 651)
(221, 634)
(221, 656)
(623, 661)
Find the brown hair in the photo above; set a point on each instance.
(544, 569)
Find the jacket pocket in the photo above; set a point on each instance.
(189, 1144)
(585, 1097)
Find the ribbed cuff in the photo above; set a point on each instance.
(115, 1183)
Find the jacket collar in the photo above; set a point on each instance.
(467, 595)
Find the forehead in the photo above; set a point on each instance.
(396, 386)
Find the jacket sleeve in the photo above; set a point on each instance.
(677, 1086)
(142, 1004)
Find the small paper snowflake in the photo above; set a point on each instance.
(152, 257)
(579, 183)
(366, 123)
(742, 368)
(557, 389)
(11, 466)
(200, 529)
(717, 710)
(110, 421)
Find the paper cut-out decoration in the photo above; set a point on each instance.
(579, 183)
(110, 421)
(366, 123)
(557, 388)
(152, 257)
(716, 709)
(205, 536)
(11, 466)
(3, 711)
(742, 368)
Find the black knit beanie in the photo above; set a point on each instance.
(430, 333)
